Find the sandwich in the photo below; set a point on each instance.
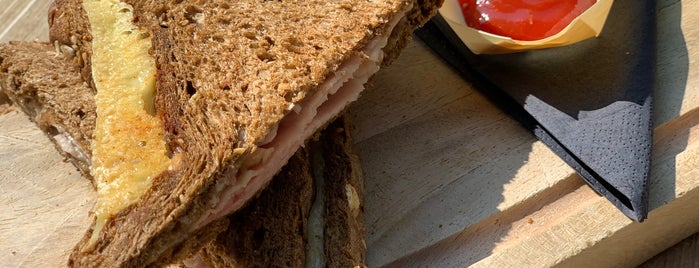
(310, 214)
(198, 105)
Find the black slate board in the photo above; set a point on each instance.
(590, 102)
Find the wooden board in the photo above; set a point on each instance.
(44, 202)
(450, 179)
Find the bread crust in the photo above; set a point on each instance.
(344, 199)
(69, 26)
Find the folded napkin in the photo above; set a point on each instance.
(590, 102)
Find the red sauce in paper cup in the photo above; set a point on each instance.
(522, 19)
(506, 26)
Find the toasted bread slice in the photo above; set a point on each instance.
(292, 225)
(273, 230)
(239, 86)
(48, 88)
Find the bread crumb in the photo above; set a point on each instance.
(530, 220)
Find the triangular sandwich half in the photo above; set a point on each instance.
(200, 103)
(311, 213)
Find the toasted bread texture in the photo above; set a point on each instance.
(36, 76)
(344, 199)
(228, 73)
(69, 29)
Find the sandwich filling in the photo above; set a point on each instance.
(128, 148)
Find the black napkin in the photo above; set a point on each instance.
(590, 102)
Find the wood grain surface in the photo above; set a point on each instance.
(451, 180)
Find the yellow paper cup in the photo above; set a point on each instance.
(588, 24)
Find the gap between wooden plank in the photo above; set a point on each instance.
(7, 11)
(17, 18)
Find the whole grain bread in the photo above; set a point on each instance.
(270, 231)
(267, 56)
(344, 199)
(36, 77)
(69, 30)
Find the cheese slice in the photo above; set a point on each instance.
(128, 149)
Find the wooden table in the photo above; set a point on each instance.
(450, 179)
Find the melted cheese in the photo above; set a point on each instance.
(128, 148)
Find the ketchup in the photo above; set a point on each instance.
(522, 19)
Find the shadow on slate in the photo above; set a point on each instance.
(590, 102)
